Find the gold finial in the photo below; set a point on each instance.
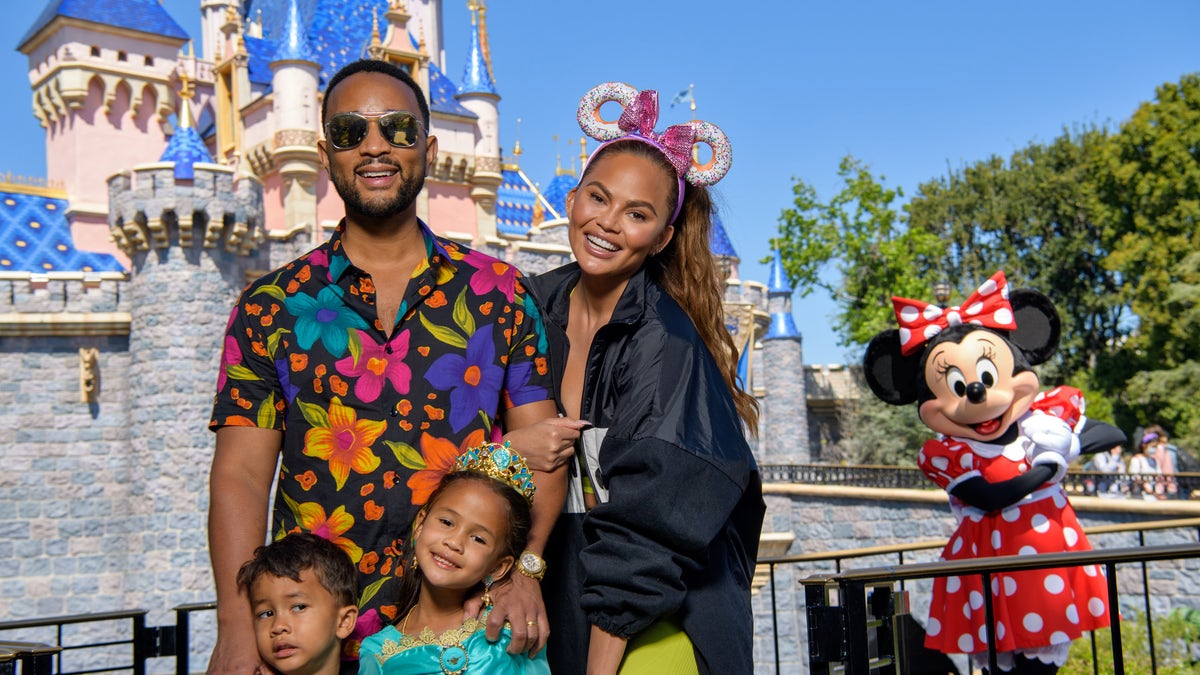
(186, 91)
(375, 27)
(517, 145)
(398, 5)
(582, 152)
(483, 38)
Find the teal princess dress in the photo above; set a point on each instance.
(462, 651)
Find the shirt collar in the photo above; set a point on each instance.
(436, 252)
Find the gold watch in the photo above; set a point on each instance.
(531, 565)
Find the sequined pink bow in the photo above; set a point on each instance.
(919, 321)
(676, 141)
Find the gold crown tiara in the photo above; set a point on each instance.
(501, 462)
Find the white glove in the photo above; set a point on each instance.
(1052, 442)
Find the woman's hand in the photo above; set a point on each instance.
(548, 444)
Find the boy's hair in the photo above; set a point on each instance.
(291, 555)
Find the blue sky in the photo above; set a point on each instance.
(913, 89)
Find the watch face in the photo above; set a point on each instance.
(531, 562)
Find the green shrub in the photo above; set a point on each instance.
(1176, 640)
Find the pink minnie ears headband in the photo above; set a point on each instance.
(639, 114)
(920, 321)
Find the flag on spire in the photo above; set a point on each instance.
(684, 96)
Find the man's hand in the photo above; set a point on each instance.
(518, 601)
(548, 444)
(236, 654)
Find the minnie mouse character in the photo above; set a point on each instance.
(1002, 451)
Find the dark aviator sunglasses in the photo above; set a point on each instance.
(347, 130)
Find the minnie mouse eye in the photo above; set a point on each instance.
(987, 373)
(956, 382)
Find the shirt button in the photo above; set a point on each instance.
(395, 413)
(388, 348)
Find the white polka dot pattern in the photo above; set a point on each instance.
(921, 321)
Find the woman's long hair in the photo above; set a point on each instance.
(518, 519)
(688, 271)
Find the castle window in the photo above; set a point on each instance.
(122, 56)
(95, 50)
(149, 60)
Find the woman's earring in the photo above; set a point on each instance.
(487, 591)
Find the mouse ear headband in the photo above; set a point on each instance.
(639, 114)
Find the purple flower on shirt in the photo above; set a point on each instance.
(474, 380)
(285, 380)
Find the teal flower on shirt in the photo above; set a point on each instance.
(325, 317)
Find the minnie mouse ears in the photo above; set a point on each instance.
(639, 114)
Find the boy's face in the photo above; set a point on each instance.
(298, 626)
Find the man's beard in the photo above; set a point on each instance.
(404, 197)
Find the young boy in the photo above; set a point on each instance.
(302, 593)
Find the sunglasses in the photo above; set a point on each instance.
(347, 130)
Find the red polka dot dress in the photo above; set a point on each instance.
(1037, 612)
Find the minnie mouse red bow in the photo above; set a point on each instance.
(676, 141)
(919, 321)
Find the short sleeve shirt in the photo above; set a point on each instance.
(370, 422)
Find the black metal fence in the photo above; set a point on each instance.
(1121, 485)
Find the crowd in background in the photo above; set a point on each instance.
(1150, 473)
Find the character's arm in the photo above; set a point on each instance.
(1097, 436)
(981, 494)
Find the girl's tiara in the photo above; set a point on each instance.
(639, 114)
(500, 462)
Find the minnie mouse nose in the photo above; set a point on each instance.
(976, 392)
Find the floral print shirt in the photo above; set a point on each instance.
(371, 423)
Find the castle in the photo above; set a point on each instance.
(175, 175)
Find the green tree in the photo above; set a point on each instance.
(1032, 216)
(875, 254)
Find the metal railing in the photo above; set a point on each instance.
(848, 650)
(831, 627)
(1175, 486)
(143, 642)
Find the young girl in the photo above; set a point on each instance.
(465, 539)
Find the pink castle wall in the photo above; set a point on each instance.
(451, 208)
(91, 144)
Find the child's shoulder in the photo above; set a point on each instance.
(381, 642)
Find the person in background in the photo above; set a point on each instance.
(1109, 463)
(1143, 469)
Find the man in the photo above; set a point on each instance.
(368, 364)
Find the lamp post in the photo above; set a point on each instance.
(941, 292)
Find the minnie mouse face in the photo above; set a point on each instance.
(977, 387)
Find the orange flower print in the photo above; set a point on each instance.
(253, 309)
(307, 480)
(371, 510)
(486, 308)
(435, 413)
(299, 362)
(438, 299)
(312, 518)
(529, 350)
(439, 454)
(389, 479)
(368, 562)
(338, 385)
(320, 370)
(366, 489)
(304, 274)
(423, 350)
(540, 363)
(345, 443)
(292, 287)
(267, 320)
(404, 407)
(405, 425)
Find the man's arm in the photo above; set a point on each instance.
(520, 601)
(239, 497)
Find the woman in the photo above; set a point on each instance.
(649, 567)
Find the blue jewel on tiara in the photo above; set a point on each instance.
(500, 462)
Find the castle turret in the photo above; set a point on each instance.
(295, 80)
(213, 14)
(784, 436)
(477, 93)
(100, 74)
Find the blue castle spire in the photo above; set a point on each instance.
(293, 44)
(477, 77)
(783, 325)
(778, 282)
(186, 147)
